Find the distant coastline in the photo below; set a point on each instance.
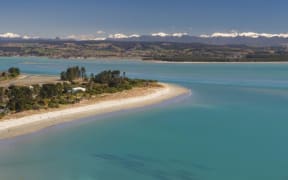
(162, 51)
(217, 62)
(136, 58)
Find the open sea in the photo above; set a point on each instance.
(234, 126)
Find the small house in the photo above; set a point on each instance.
(78, 89)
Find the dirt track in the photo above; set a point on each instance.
(26, 79)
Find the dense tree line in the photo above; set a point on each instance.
(73, 73)
(51, 90)
(20, 98)
(52, 95)
(112, 78)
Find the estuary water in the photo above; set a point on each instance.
(234, 126)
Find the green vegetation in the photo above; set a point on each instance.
(15, 99)
(20, 98)
(12, 72)
(73, 73)
(164, 51)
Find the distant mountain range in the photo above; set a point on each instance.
(164, 48)
(248, 39)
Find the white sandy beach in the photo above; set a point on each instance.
(30, 123)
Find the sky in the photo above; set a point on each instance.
(51, 18)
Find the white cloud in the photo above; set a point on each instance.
(163, 34)
(100, 32)
(234, 34)
(85, 37)
(122, 36)
(14, 35)
(78, 37)
(134, 35)
(283, 35)
(179, 34)
(70, 37)
(10, 35)
(250, 34)
(100, 38)
(118, 36)
(30, 37)
(205, 36)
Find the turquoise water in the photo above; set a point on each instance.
(233, 126)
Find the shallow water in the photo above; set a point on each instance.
(233, 126)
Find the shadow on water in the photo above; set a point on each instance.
(158, 169)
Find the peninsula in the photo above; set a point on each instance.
(29, 107)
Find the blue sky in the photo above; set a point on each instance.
(50, 18)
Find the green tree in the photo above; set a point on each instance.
(73, 73)
(51, 90)
(63, 76)
(20, 98)
(112, 78)
(14, 71)
(83, 72)
(2, 94)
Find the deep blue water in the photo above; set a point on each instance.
(233, 126)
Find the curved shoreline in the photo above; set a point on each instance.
(23, 125)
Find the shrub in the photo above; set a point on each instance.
(14, 71)
(52, 104)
